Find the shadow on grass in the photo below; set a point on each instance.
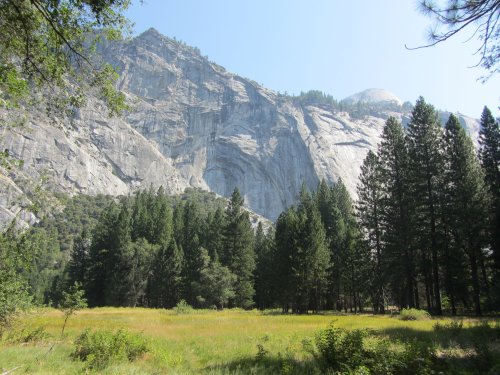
(454, 332)
(279, 312)
(459, 349)
(267, 365)
(469, 349)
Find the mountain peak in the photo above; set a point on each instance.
(151, 31)
(374, 95)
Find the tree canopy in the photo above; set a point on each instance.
(49, 44)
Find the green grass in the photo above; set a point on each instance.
(225, 342)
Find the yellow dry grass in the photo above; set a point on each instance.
(201, 341)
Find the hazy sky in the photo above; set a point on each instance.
(339, 47)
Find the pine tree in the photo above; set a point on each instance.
(323, 198)
(140, 216)
(151, 217)
(265, 270)
(134, 269)
(350, 254)
(399, 263)
(286, 238)
(455, 267)
(101, 257)
(309, 257)
(213, 236)
(178, 224)
(369, 212)
(300, 257)
(190, 246)
(120, 241)
(161, 233)
(238, 253)
(467, 195)
(165, 284)
(336, 234)
(317, 256)
(489, 155)
(426, 167)
(78, 263)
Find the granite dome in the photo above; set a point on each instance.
(374, 96)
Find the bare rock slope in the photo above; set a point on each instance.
(194, 124)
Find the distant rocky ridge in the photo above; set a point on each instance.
(193, 124)
(374, 96)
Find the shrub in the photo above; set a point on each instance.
(28, 336)
(417, 358)
(261, 352)
(482, 335)
(452, 329)
(183, 307)
(414, 314)
(340, 349)
(98, 349)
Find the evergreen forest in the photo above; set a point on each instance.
(424, 233)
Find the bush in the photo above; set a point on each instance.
(183, 307)
(344, 352)
(451, 329)
(414, 314)
(417, 358)
(28, 336)
(482, 335)
(340, 349)
(98, 349)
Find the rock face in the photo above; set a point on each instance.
(374, 96)
(194, 124)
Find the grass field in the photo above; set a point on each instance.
(224, 342)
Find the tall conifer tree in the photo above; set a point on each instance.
(369, 211)
(286, 238)
(79, 261)
(489, 155)
(350, 254)
(238, 252)
(468, 199)
(165, 284)
(399, 258)
(265, 271)
(426, 167)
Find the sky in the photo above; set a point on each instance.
(336, 46)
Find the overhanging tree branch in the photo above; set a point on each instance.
(458, 15)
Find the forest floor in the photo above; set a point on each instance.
(231, 341)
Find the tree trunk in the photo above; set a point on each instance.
(475, 282)
(489, 305)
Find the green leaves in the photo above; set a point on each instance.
(422, 204)
(15, 254)
(73, 300)
(99, 349)
(48, 47)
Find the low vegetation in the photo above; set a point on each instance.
(414, 314)
(99, 348)
(234, 341)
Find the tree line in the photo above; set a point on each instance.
(423, 233)
(151, 250)
(429, 211)
(154, 250)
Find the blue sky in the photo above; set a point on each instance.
(339, 47)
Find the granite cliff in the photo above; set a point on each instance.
(194, 124)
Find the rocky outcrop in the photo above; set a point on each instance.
(192, 123)
(374, 96)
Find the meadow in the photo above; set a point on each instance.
(232, 341)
